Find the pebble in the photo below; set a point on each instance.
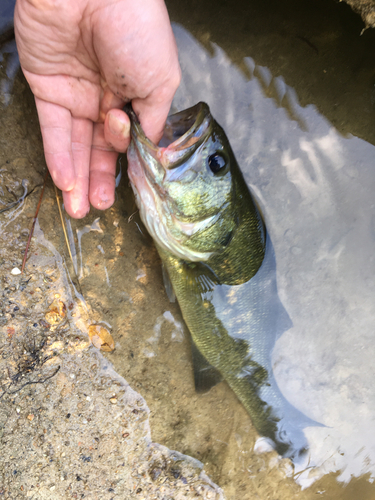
(263, 445)
(15, 271)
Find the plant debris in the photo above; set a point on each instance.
(101, 338)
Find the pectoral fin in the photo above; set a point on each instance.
(168, 284)
(205, 375)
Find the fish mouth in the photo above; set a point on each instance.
(184, 132)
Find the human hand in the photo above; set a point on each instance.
(84, 59)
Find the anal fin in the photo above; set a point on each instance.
(205, 375)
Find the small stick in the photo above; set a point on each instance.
(33, 224)
(74, 278)
(63, 225)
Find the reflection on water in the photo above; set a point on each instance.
(177, 334)
(6, 20)
(8, 51)
(95, 226)
(315, 189)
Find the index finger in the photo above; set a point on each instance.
(56, 127)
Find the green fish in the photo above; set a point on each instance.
(214, 246)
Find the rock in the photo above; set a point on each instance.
(366, 9)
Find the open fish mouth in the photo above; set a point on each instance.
(183, 133)
(185, 128)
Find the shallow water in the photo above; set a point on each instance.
(310, 168)
(315, 190)
(314, 186)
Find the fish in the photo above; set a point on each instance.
(217, 253)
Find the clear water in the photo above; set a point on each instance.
(6, 16)
(315, 188)
(293, 86)
(314, 181)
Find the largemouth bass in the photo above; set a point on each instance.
(213, 243)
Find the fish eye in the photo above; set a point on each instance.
(217, 163)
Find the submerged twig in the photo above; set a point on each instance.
(33, 224)
(63, 225)
(14, 203)
(36, 381)
(21, 199)
(74, 278)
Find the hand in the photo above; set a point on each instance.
(84, 59)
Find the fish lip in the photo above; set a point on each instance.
(177, 151)
(136, 130)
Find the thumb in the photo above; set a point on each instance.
(117, 130)
(153, 112)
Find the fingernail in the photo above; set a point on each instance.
(117, 127)
(79, 207)
(103, 200)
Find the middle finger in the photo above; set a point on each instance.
(76, 201)
(102, 170)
